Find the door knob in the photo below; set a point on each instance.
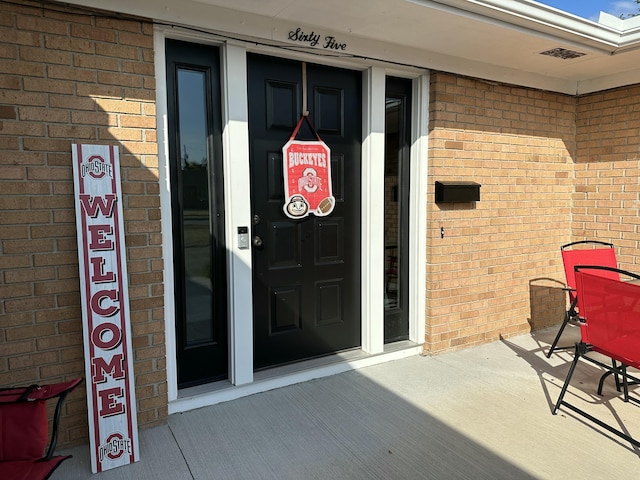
(257, 241)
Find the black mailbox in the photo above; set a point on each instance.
(450, 192)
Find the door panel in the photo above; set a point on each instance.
(281, 104)
(329, 241)
(284, 248)
(306, 273)
(193, 88)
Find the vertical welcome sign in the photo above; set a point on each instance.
(113, 428)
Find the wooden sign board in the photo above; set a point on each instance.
(113, 428)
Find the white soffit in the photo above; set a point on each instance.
(499, 40)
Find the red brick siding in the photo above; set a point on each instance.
(498, 269)
(607, 195)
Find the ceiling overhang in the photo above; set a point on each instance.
(498, 40)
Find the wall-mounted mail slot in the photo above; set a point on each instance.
(455, 191)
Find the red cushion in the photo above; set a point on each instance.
(605, 257)
(611, 312)
(23, 431)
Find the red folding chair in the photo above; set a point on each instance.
(24, 432)
(609, 325)
(590, 254)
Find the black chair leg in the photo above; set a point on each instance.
(615, 372)
(576, 357)
(582, 350)
(567, 317)
(625, 384)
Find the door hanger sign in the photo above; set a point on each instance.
(307, 176)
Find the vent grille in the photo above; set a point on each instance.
(562, 53)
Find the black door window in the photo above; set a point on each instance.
(396, 215)
(193, 84)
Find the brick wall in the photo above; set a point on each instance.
(607, 197)
(70, 76)
(497, 271)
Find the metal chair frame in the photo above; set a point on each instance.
(21, 460)
(569, 264)
(587, 344)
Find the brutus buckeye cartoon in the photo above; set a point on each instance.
(297, 206)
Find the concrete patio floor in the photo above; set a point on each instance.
(479, 413)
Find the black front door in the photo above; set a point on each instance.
(195, 155)
(306, 273)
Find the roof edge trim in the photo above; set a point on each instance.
(538, 17)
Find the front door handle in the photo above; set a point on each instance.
(257, 241)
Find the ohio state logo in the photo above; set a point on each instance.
(96, 167)
(310, 181)
(115, 446)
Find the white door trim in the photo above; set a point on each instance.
(235, 145)
(373, 153)
(418, 209)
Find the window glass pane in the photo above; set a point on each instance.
(196, 224)
(393, 195)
